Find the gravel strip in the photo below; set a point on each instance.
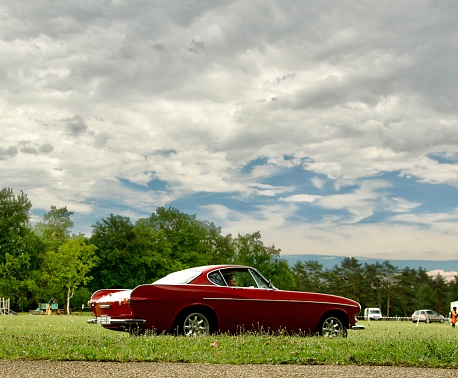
(72, 369)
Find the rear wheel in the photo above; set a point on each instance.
(333, 327)
(196, 323)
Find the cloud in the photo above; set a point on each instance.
(448, 276)
(8, 152)
(302, 198)
(326, 129)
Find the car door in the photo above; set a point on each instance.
(262, 309)
(259, 307)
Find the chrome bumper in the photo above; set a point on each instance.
(119, 322)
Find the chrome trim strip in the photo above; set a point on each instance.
(127, 321)
(218, 299)
(329, 303)
(278, 300)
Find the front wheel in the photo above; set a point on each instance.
(333, 327)
(196, 324)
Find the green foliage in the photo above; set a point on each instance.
(55, 228)
(19, 248)
(309, 276)
(114, 238)
(47, 261)
(14, 223)
(453, 290)
(68, 268)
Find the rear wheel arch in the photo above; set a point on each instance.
(196, 309)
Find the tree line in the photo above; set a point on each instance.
(46, 260)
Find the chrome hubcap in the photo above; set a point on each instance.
(332, 327)
(196, 324)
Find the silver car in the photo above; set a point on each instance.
(427, 316)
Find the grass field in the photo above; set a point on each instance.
(41, 337)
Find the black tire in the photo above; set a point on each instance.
(332, 326)
(196, 324)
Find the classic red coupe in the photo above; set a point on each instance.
(221, 298)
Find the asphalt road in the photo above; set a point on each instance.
(73, 369)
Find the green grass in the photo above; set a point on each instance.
(393, 343)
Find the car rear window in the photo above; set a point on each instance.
(216, 278)
(179, 278)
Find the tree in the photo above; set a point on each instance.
(374, 277)
(114, 238)
(404, 292)
(390, 273)
(250, 250)
(353, 277)
(19, 248)
(453, 290)
(68, 268)
(440, 299)
(282, 275)
(309, 276)
(188, 238)
(425, 297)
(346, 279)
(14, 223)
(55, 228)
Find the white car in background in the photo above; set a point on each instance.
(427, 316)
(372, 313)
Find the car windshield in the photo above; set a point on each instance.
(179, 278)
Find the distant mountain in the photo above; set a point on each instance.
(328, 262)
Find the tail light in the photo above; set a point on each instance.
(124, 301)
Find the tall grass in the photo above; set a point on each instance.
(381, 343)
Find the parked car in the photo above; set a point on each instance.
(201, 300)
(372, 313)
(427, 316)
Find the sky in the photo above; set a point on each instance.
(329, 126)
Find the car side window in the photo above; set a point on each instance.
(244, 279)
(239, 277)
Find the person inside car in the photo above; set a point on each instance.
(230, 279)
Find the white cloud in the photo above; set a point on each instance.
(448, 276)
(302, 198)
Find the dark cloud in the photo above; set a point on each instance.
(76, 125)
(8, 152)
(46, 148)
(29, 150)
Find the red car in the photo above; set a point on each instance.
(221, 298)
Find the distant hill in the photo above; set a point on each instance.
(328, 262)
